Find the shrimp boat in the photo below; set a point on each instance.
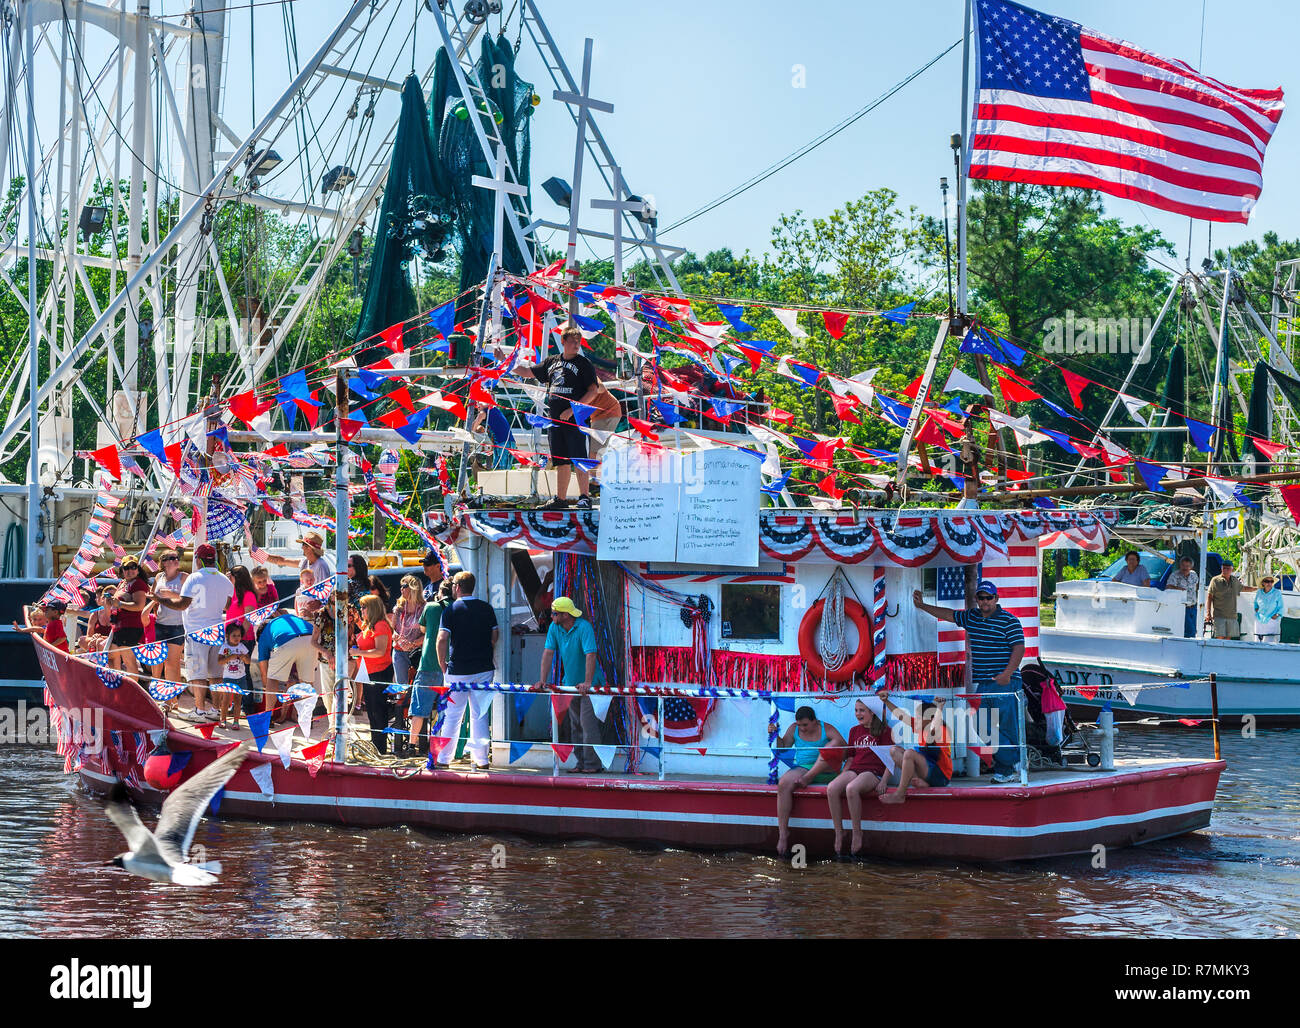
(717, 614)
(687, 764)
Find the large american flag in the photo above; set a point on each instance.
(1062, 105)
(1016, 577)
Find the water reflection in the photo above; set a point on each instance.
(1238, 878)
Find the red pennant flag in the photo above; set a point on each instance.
(1268, 449)
(451, 403)
(827, 485)
(348, 428)
(173, 452)
(1075, 383)
(314, 755)
(781, 417)
(755, 357)
(383, 364)
(1017, 475)
(206, 730)
(561, 751)
(1189, 722)
(1094, 452)
(1014, 392)
(1291, 497)
(481, 396)
(844, 406)
(832, 755)
(402, 397)
(437, 744)
(392, 337)
(931, 433)
(245, 407)
(394, 419)
(560, 704)
(278, 450)
(310, 412)
(107, 458)
(835, 323)
(913, 387)
(645, 428)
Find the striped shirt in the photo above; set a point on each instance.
(991, 641)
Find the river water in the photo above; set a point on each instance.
(1239, 878)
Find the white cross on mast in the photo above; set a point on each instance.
(504, 189)
(583, 102)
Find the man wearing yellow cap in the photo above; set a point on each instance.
(572, 638)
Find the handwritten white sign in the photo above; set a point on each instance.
(695, 508)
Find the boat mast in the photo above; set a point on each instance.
(33, 353)
(945, 327)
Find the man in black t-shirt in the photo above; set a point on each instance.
(570, 376)
(467, 638)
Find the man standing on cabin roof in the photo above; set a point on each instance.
(997, 645)
(570, 377)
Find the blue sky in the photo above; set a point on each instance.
(705, 97)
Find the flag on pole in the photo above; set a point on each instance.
(1062, 105)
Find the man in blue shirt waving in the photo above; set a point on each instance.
(997, 645)
(571, 636)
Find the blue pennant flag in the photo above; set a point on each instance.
(1152, 475)
(899, 314)
(1060, 438)
(442, 347)
(953, 407)
(372, 379)
(786, 756)
(1058, 409)
(734, 313)
(260, 725)
(518, 749)
(1201, 434)
(587, 294)
(895, 413)
(581, 412)
(1043, 503)
(808, 374)
(731, 363)
(652, 751)
(152, 441)
(444, 319)
(539, 420)
(981, 342)
(786, 703)
(585, 463)
(805, 445)
(649, 316)
(178, 762)
(295, 385)
(774, 487)
(888, 456)
(522, 702)
(220, 435)
(590, 324)
(215, 804)
(411, 430)
(724, 408)
(670, 414)
(358, 388)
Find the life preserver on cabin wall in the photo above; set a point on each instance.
(855, 665)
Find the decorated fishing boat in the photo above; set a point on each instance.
(717, 661)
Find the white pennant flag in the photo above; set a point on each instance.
(1020, 426)
(1224, 489)
(1130, 693)
(1113, 450)
(601, 437)
(790, 320)
(305, 707)
(262, 776)
(886, 755)
(606, 754)
(960, 382)
(714, 330)
(283, 743)
(600, 705)
(1134, 407)
(363, 675)
(860, 386)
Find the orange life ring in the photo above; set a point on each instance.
(857, 664)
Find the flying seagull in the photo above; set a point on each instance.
(161, 854)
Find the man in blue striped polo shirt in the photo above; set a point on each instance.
(997, 645)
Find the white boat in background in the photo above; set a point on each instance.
(1123, 645)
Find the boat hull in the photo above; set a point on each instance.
(1256, 679)
(1074, 814)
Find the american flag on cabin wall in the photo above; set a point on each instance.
(1016, 577)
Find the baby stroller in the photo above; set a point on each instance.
(1072, 746)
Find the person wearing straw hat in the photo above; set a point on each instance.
(569, 377)
(313, 557)
(573, 639)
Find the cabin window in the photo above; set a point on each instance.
(751, 612)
